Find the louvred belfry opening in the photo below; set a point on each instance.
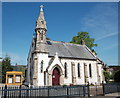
(56, 76)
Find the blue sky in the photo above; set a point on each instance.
(64, 20)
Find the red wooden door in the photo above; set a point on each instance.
(56, 77)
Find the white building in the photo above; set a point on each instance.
(59, 63)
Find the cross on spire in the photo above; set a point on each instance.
(41, 8)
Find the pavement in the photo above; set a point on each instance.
(113, 95)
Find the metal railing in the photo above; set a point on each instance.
(60, 91)
(111, 88)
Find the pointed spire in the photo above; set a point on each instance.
(41, 12)
(41, 23)
(40, 32)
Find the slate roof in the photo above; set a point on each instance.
(69, 50)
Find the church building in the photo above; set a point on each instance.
(58, 63)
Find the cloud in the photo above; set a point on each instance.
(102, 20)
(106, 36)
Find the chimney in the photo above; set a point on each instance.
(82, 42)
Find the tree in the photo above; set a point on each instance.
(84, 36)
(48, 38)
(117, 76)
(6, 66)
(107, 76)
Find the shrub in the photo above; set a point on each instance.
(107, 76)
(117, 76)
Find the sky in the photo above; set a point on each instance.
(64, 20)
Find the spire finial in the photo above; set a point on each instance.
(41, 8)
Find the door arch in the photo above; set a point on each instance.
(56, 76)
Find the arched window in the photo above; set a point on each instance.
(41, 66)
(78, 70)
(65, 66)
(90, 70)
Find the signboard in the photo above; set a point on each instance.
(17, 78)
(10, 80)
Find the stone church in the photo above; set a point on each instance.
(59, 63)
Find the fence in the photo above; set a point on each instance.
(104, 88)
(59, 91)
(111, 88)
(56, 91)
(96, 90)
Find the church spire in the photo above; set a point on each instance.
(41, 23)
(41, 32)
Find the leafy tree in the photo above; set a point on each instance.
(6, 66)
(107, 76)
(48, 38)
(117, 76)
(84, 36)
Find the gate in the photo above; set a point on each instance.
(96, 90)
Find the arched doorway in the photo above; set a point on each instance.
(56, 76)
